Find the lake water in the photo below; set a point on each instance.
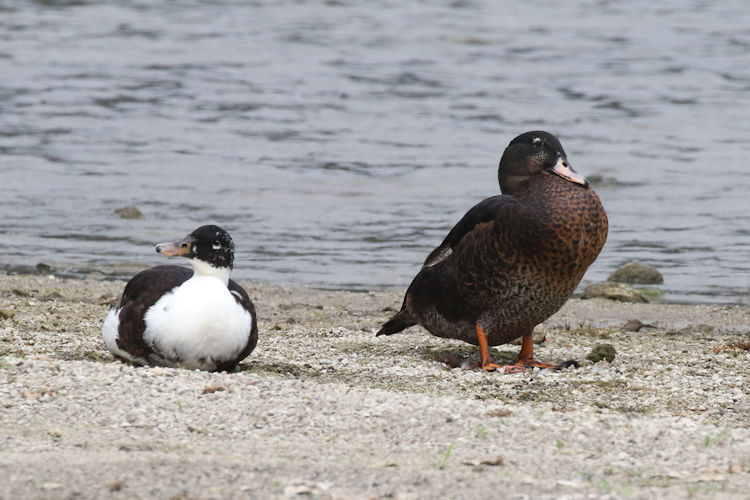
(339, 141)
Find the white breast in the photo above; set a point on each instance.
(197, 324)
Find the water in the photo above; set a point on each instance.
(339, 141)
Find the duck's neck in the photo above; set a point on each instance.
(203, 268)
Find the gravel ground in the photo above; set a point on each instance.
(324, 409)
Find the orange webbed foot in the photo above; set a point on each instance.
(532, 363)
(488, 364)
(491, 366)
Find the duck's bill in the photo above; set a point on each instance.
(564, 170)
(175, 248)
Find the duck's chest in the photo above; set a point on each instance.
(198, 320)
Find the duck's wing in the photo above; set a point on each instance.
(243, 299)
(485, 211)
(142, 292)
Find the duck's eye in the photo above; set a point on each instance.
(537, 141)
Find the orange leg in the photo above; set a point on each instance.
(489, 364)
(526, 356)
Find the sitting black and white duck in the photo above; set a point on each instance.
(513, 260)
(192, 318)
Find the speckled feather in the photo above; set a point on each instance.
(509, 264)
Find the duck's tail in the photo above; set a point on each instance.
(398, 322)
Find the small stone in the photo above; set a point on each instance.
(600, 352)
(613, 291)
(492, 461)
(637, 273)
(128, 212)
(500, 412)
(5, 314)
(211, 388)
(632, 325)
(116, 485)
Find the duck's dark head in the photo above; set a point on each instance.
(531, 154)
(210, 250)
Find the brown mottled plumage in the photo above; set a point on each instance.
(514, 259)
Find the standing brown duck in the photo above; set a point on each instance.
(513, 260)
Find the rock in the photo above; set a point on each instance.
(613, 291)
(632, 325)
(5, 314)
(128, 212)
(43, 269)
(600, 352)
(637, 273)
(652, 294)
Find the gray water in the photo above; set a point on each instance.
(339, 141)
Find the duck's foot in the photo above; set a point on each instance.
(453, 361)
(532, 363)
(519, 367)
(491, 366)
(488, 364)
(526, 359)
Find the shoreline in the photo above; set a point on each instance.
(130, 269)
(323, 408)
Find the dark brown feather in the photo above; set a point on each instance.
(142, 292)
(511, 271)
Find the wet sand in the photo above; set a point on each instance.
(323, 408)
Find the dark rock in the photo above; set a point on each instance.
(43, 269)
(602, 351)
(613, 291)
(637, 273)
(128, 212)
(568, 364)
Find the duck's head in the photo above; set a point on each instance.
(532, 154)
(210, 250)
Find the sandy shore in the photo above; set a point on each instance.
(323, 408)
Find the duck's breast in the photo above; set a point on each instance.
(198, 323)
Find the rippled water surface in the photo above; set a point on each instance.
(339, 141)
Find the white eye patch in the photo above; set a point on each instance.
(216, 246)
(537, 140)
